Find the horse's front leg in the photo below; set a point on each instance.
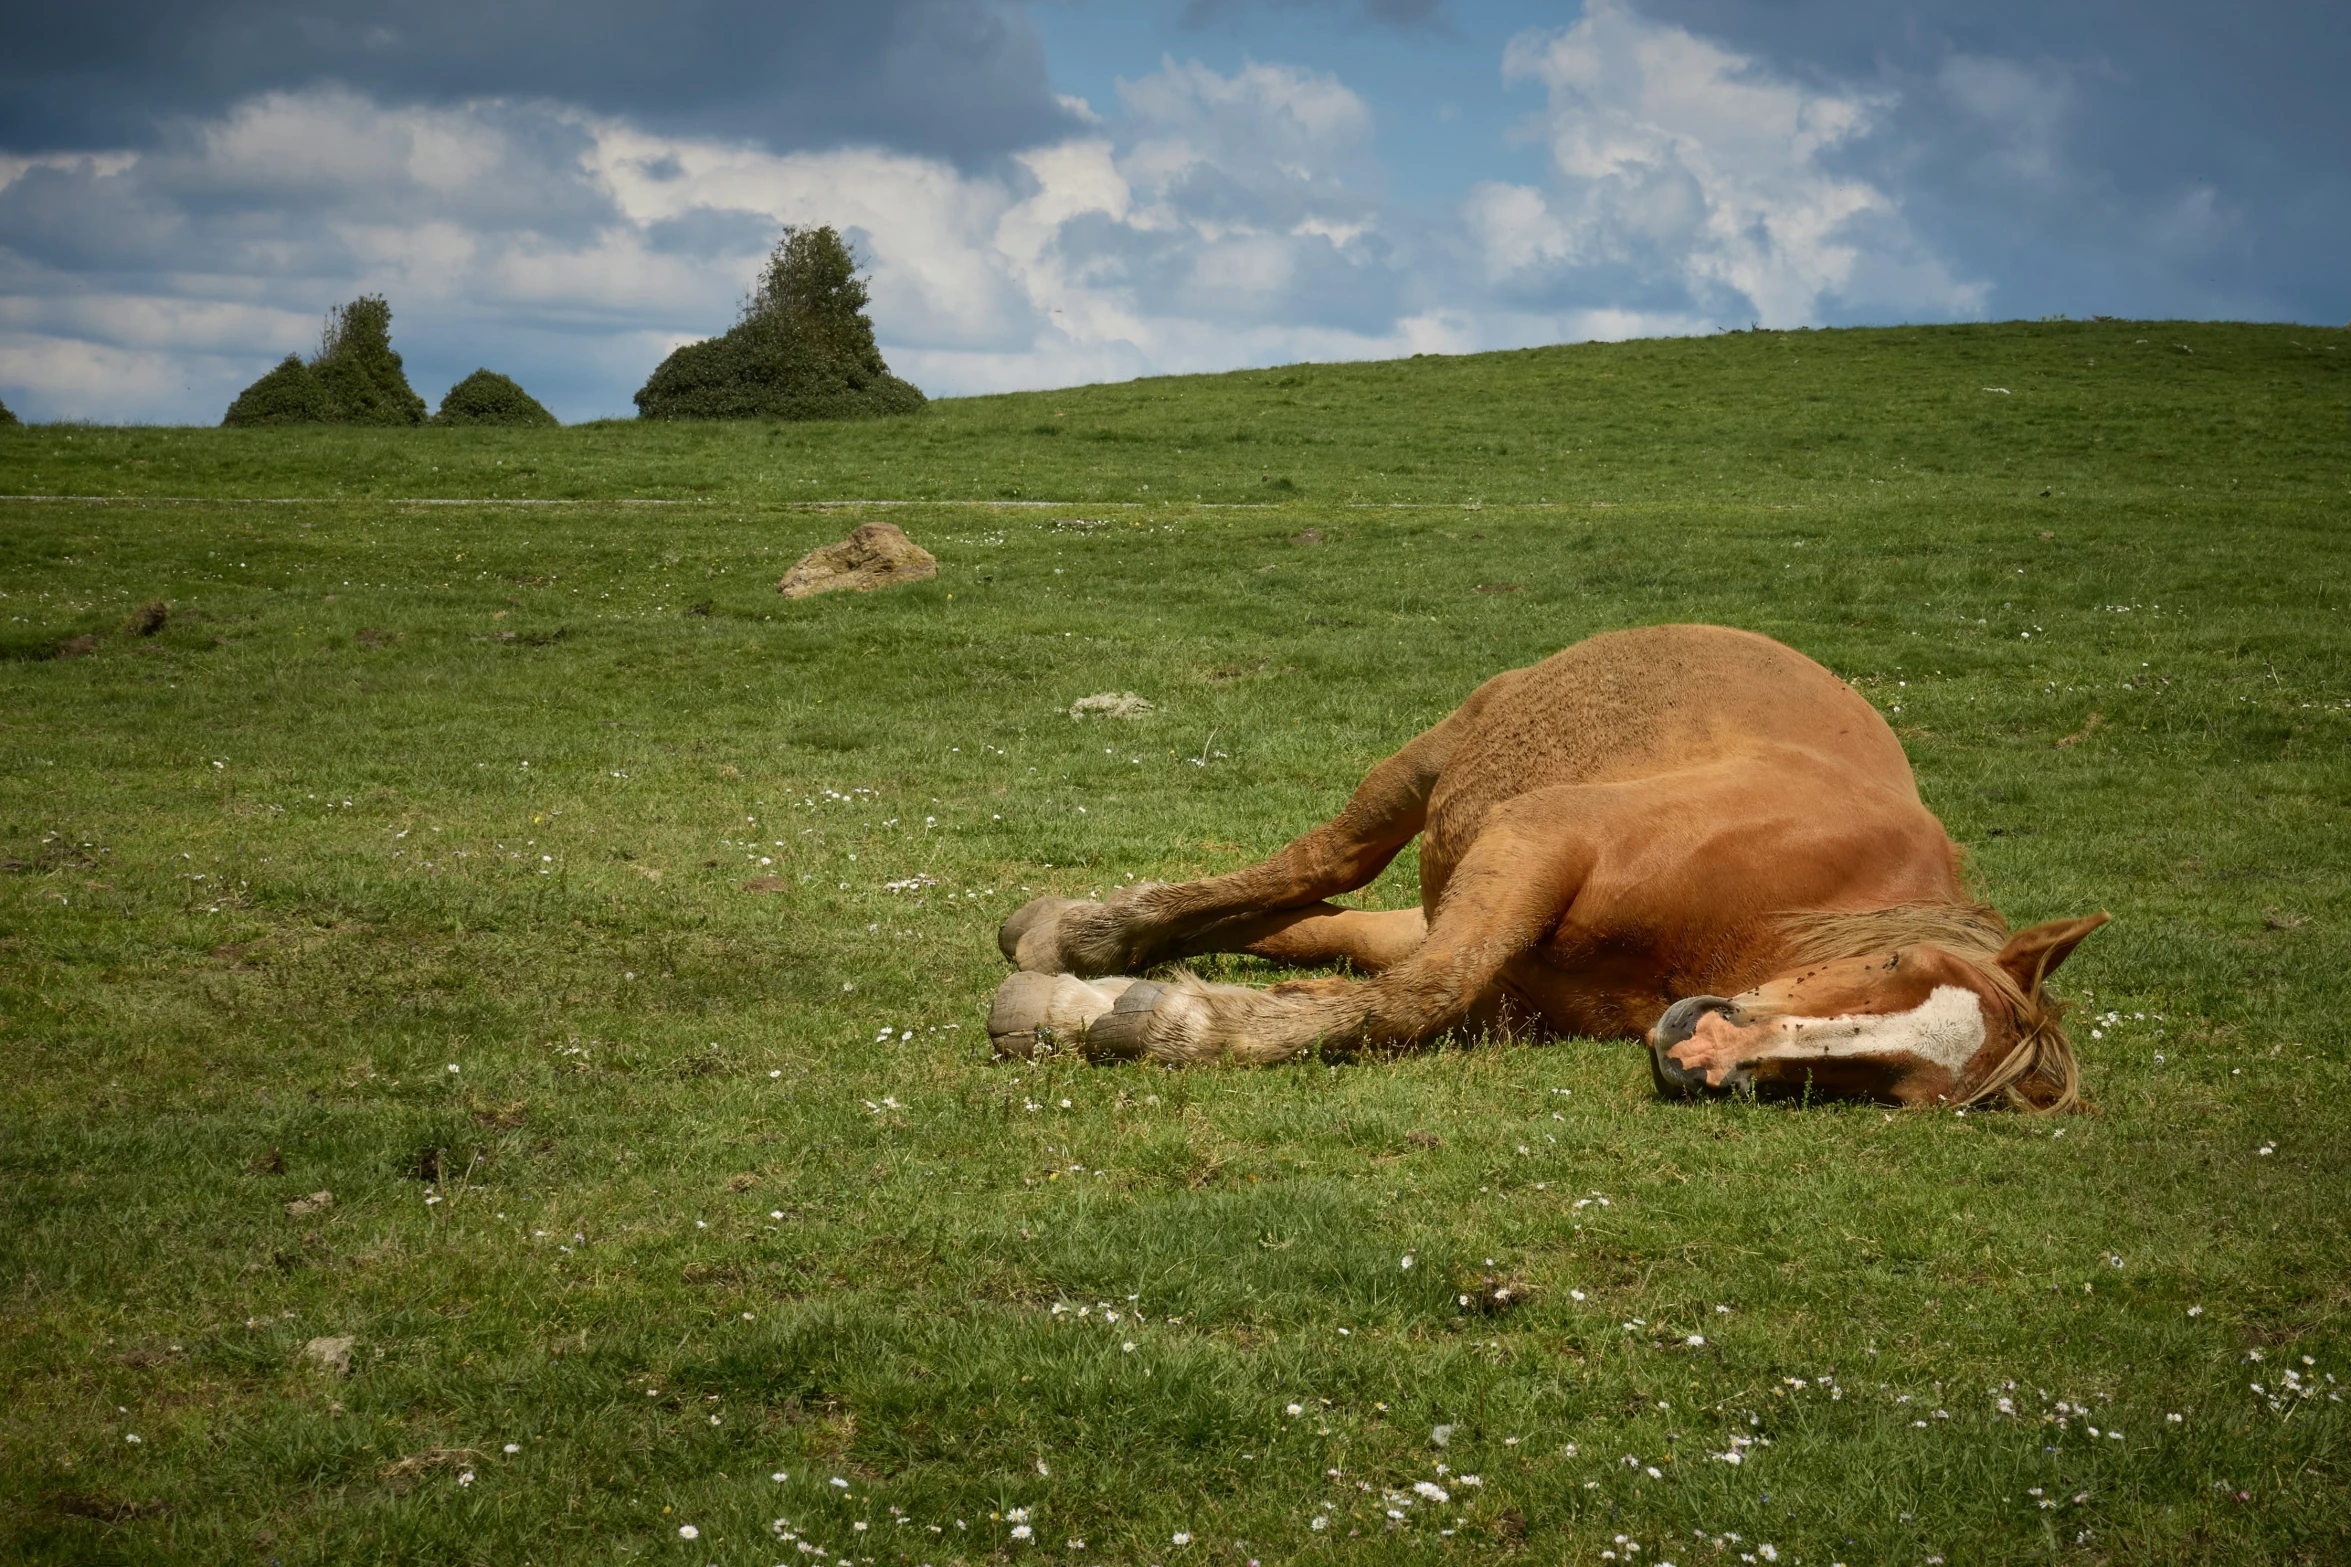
(1502, 900)
(1154, 923)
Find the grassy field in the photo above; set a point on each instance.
(407, 861)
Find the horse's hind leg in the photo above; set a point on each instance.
(1153, 923)
(1319, 934)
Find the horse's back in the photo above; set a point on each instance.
(1661, 699)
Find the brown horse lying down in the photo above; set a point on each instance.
(1687, 833)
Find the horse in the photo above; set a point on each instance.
(1685, 834)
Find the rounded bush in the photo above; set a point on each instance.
(486, 397)
(354, 379)
(290, 394)
(754, 372)
(8, 419)
(803, 350)
(360, 371)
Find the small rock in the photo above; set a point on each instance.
(331, 1355)
(1110, 704)
(877, 555)
(304, 1207)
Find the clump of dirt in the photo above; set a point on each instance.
(105, 1509)
(329, 1355)
(1110, 704)
(877, 555)
(1490, 1294)
(432, 1458)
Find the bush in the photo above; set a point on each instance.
(8, 420)
(804, 348)
(354, 379)
(290, 394)
(486, 397)
(356, 363)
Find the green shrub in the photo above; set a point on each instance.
(804, 348)
(290, 394)
(354, 379)
(486, 397)
(356, 363)
(8, 419)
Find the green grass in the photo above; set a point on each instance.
(272, 870)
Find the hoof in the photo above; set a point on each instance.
(1123, 1033)
(1038, 914)
(1037, 1015)
(1075, 936)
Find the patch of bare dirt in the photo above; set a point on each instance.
(877, 555)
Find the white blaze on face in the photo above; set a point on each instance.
(1946, 1029)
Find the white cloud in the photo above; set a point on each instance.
(1221, 220)
(1681, 166)
(1214, 220)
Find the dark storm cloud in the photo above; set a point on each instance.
(964, 79)
(2151, 154)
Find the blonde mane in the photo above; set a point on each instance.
(2039, 1075)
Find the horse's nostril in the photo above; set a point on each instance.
(1681, 1019)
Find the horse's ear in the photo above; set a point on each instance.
(2031, 956)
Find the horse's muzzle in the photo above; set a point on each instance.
(1679, 1023)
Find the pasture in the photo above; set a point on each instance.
(409, 860)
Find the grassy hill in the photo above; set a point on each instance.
(402, 855)
(2130, 407)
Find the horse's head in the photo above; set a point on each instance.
(1915, 1024)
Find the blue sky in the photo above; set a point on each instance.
(1073, 190)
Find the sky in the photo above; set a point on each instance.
(1070, 191)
